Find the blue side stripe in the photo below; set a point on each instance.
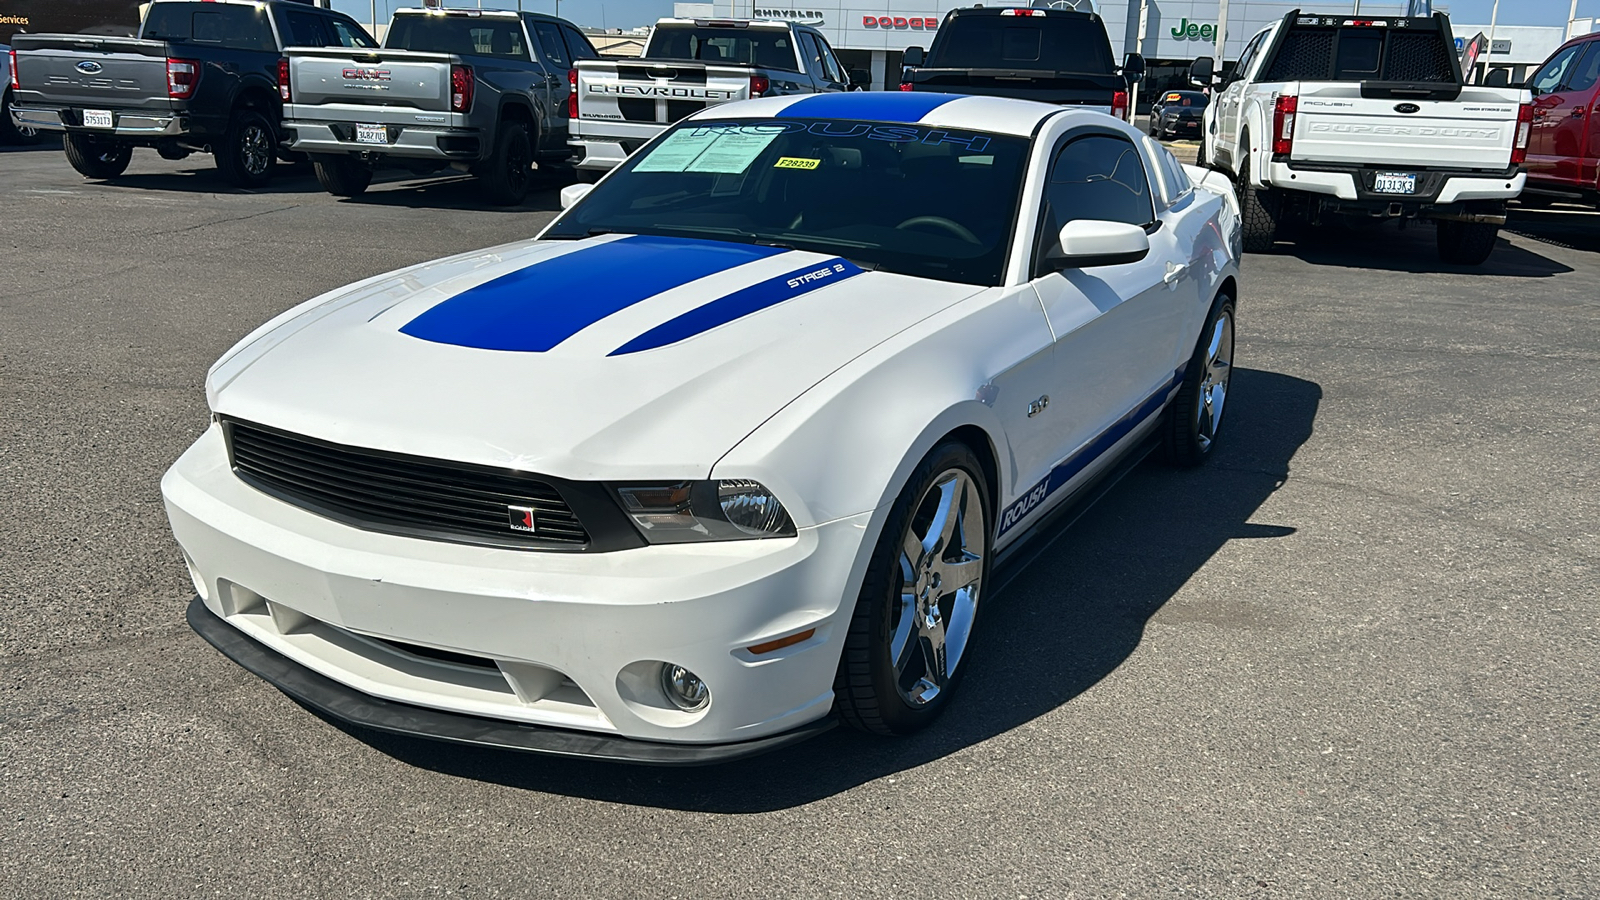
(742, 303)
(1077, 462)
(868, 106)
(535, 308)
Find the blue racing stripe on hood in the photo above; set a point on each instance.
(537, 307)
(742, 303)
(868, 106)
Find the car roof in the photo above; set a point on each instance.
(1001, 115)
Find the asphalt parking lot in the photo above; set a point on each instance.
(1354, 656)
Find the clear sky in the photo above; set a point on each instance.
(629, 13)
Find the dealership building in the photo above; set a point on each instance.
(873, 34)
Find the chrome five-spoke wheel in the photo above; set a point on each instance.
(1195, 418)
(911, 631)
(941, 572)
(1214, 379)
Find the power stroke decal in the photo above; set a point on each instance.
(535, 308)
(1077, 462)
(742, 303)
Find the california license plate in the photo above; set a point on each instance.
(372, 134)
(1394, 183)
(97, 118)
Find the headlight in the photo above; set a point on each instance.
(685, 511)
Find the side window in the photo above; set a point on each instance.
(1242, 67)
(1096, 176)
(1169, 172)
(813, 56)
(831, 63)
(304, 30)
(1587, 71)
(578, 46)
(1554, 72)
(345, 33)
(555, 49)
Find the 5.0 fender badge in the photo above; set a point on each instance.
(1407, 108)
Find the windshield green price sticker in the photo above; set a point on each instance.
(718, 151)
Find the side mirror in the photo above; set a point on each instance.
(860, 79)
(1498, 78)
(1133, 68)
(572, 193)
(914, 56)
(1095, 242)
(1202, 71)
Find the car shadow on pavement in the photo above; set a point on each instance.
(1067, 620)
(1571, 227)
(1385, 247)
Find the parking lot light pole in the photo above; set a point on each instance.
(1488, 59)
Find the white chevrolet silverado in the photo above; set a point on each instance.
(1327, 116)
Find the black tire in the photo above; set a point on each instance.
(1200, 152)
(342, 176)
(1260, 209)
(1189, 435)
(1466, 243)
(506, 176)
(248, 152)
(96, 157)
(869, 693)
(9, 132)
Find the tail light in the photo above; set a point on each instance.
(283, 78)
(572, 96)
(1283, 123)
(1119, 105)
(906, 86)
(1519, 150)
(461, 87)
(182, 77)
(15, 84)
(759, 85)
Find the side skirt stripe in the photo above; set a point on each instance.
(536, 308)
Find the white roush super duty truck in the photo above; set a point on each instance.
(1327, 116)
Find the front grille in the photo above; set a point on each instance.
(399, 494)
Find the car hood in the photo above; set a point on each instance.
(611, 357)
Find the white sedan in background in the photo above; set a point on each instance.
(726, 455)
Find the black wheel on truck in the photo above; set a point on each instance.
(1465, 243)
(246, 155)
(505, 177)
(342, 176)
(9, 132)
(1260, 209)
(95, 156)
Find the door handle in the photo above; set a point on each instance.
(1174, 273)
(1577, 111)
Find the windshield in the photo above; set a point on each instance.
(1050, 43)
(1181, 99)
(930, 202)
(765, 48)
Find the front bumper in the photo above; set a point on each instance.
(523, 639)
(1436, 186)
(128, 125)
(405, 142)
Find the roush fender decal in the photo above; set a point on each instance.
(535, 308)
(742, 303)
(1069, 468)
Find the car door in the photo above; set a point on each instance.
(557, 60)
(1230, 103)
(1572, 115)
(1550, 106)
(811, 55)
(1117, 328)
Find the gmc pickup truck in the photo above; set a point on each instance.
(481, 91)
(201, 76)
(1328, 116)
(688, 65)
(1049, 55)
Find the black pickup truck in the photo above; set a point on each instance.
(1049, 55)
(200, 77)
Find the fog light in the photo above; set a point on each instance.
(684, 688)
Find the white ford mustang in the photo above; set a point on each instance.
(726, 455)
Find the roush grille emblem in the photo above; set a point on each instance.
(520, 518)
(1407, 108)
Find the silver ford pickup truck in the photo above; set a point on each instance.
(480, 91)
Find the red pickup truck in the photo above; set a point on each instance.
(1564, 145)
